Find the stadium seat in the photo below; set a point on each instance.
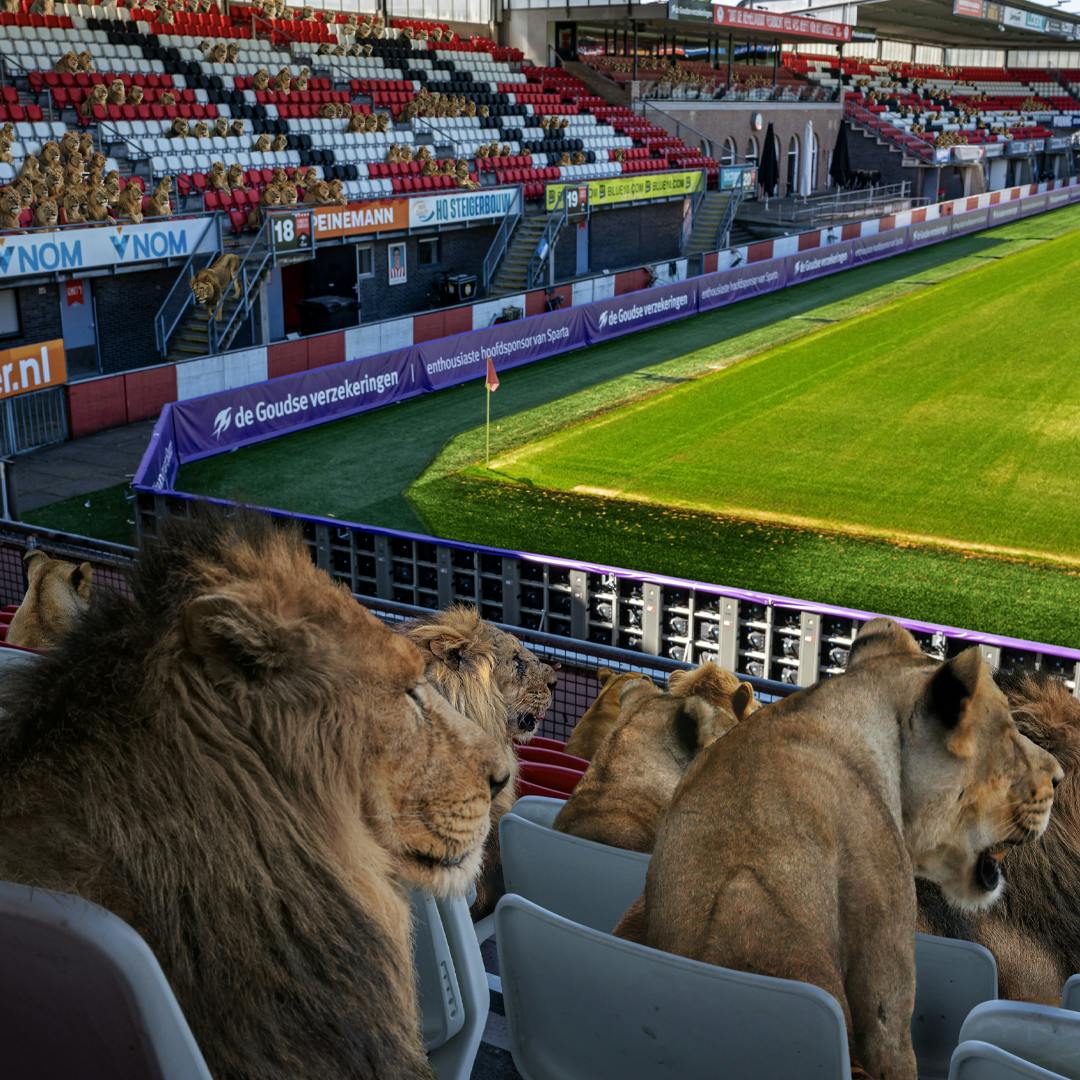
(1070, 994)
(554, 777)
(631, 1011)
(82, 995)
(453, 988)
(588, 882)
(1039, 1034)
(975, 1060)
(951, 978)
(528, 752)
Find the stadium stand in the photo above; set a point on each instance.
(920, 107)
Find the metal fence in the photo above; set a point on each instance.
(789, 642)
(32, 420)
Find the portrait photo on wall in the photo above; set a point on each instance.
(397, 272)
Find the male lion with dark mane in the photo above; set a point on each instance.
(1034, 933)
(792, 843)
(488, 675)
(629, 783)
(248, 767)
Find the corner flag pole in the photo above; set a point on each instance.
(491, 384)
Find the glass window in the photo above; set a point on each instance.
(751, 151)
(365, 262)
(9, 313)
(728, 152)
(427, 251)
(815, 154)
(793, 165)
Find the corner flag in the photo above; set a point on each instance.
(491, 379)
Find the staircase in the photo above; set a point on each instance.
(707, 222)
(600, 86)
(512, 275)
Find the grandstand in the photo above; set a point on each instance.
(662, 334)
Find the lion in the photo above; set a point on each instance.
(10, 208)
(201, 130)
(217, 178)
(86, 63)
(1033, 932)
(166, 99)
(633, 774)
(46, 214)
(236, 128)
(792, 844)
(281, 142)
(97, 204)
(57, 593)
(130, 203)
(262, 143)
(487, 674)
(209, 286)
(250, 769)
(602, 716)
(68, 64)
(261, 79)
(74, 206)
(135, 94)
(97, 96)
(117, 93)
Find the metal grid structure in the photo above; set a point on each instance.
(33, 420)
(687, 622)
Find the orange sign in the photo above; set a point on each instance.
(356, 219)
(32, 367)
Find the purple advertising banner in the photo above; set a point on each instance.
(1054, 199)
(607, 319)
(930, 232)
(448, 361)
(972, 221)
(814, 264)
(247, 414)
(727, 286)
(1034, 205)
(160, 462)
(1004, 212)
(880, 246)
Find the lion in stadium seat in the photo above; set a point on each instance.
(250, 769)
(791, 846)
(1033, 933)
(57, 593)
(602, 716)
(488, 675)
(629, 783)
(210, 285)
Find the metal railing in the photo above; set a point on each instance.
(837, 206)
(252, 267)
(704, 142)
(32, 420)
(179, 299)
(499, 245)
(727, 222)
(556, 220)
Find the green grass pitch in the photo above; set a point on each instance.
(902, 438)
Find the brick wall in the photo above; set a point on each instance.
(39, 315)
(126, 306)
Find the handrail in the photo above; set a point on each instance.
(218, 337)
(197, 260)
(554, 225)
(707, 148)
(103, 127)
(695, 206)
(723, 232)
(501, 242)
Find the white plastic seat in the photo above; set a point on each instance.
(581, 1003)
(1039, 1034)
(975, 1060)
(82, 995)
(591, 883)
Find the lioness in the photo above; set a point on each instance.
(56, 594)
(791, 844)
(602, 716)
(629, 783)
(210, 285)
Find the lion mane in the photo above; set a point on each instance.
(490, 677)
(1033, 932)
(248, 767)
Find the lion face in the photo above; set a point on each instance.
(10, 203)
(331, 700)
(973, 786)
(485, 672)
(203, 286)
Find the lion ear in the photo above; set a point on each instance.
(881, 637)
(34, 561)
(238, 640)
(949, 695)
(694, 724)
(81, 578)
(743, 702)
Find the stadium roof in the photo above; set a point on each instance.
(999, 24)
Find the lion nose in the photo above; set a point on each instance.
(497, 783)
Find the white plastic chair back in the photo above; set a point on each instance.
(1070, 994)
(1039, 1034)
(81, 995)
(980, 1061)
(951, 978)
(581, 1003)
(452, 984)
(538, 809)
(591, 883)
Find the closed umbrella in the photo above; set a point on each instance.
(840, 169)
(769, 167)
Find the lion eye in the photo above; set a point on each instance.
(416, 698)
(520, 665)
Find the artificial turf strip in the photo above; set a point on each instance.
(399, 466)
(105, 515)
(953, 414)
